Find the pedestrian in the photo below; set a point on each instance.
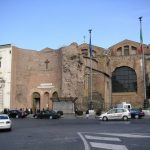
(5, 111)
(87, 114)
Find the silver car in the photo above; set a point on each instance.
(5, 122)
(116, 114)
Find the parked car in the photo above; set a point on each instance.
(5, 122)
(47, 115)
(137, 113)
(16, 114)
(116, 114)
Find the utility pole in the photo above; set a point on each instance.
(143, 60)
(91, 76)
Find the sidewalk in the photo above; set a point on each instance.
(73, 116)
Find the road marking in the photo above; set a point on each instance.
(126, 135)
(102, 138)
(108, 146)
(86, 145)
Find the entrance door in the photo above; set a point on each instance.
(36, 101)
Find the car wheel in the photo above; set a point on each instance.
(17, 116)
(125, 118)
(35, 116)
(105, 118)
(50, 117)
(136, 116)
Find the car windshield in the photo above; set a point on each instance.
(3, 117)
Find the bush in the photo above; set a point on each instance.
(79, 112)
(98, 112)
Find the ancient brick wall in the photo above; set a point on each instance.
(133, 61)
(29, 71)
(67, 72)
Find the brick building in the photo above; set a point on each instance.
(60, 79)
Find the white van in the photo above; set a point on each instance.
(124, 105)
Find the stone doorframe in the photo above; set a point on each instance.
(45, 98)
(36, 101)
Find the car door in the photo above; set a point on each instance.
(46, 115)
(119, 113)
(111, 114)
(50, 114)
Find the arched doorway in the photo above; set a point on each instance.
(64, 104)
(35, 101)
(55, 95)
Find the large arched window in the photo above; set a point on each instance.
(124, 79)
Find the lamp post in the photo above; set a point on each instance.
(110, 77)
(143, 61)
(91, 76)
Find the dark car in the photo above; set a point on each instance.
(16, 114)
(137, 113)
(47, 115)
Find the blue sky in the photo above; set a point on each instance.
(36, 24)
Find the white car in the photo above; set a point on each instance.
(116, 114)
(5, 122)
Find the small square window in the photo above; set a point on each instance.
(126, 50)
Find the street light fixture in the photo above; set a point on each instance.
(143, 63)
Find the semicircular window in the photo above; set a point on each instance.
(124, 79)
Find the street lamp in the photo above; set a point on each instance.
(143, 63)
(110, 78)
(91, 76)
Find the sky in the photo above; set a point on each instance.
(37, 24)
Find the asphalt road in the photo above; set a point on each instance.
(76, 134)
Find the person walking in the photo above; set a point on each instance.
(87, 114)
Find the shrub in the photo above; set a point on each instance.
(98, 112)
(79, 112)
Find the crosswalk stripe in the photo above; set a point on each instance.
(125, 135)
(86, 145)
(108, 146)
(102, 138)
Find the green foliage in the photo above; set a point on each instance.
(79, 112)
(98, 112)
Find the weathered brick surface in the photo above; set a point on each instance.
(68, 72)
(133, 61)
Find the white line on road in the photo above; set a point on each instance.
(126, 135)
(108, 146)
(102, 138)
(86, 145)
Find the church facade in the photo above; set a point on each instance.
(68, 78)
